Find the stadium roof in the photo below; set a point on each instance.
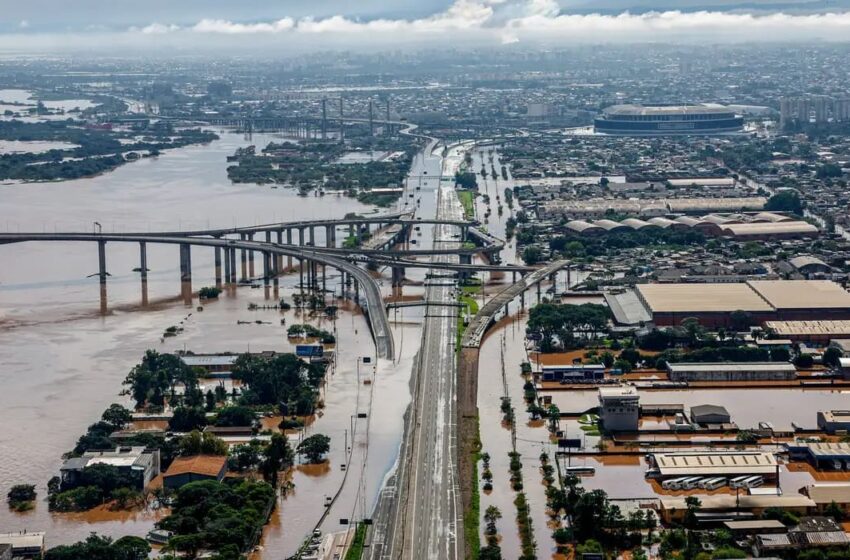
(634, 109)
(770, 228)
(685, 298)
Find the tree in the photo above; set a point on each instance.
(187, 419)
(117, 416)
(315, 447)
(235, 416)
(804, 361)
(21, 496)
(554, 415)
(561, 536)
(532, 255)
(740, 320)
(491, 515)
(831, 356)
(834, 510)
(785, 201)
(197, 443)
(278, 457)
(245, 456)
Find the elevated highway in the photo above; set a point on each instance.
(371, 301)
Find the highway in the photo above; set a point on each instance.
(434, 518)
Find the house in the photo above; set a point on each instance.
(710, 414)
(139, 462)
(825, 494)
(194, 468)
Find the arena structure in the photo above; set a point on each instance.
(640, 120)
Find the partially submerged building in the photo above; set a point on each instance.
(140, 463)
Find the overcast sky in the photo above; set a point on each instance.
(117, 25)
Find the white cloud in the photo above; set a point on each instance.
(230, 28)
(24, 24)
(158, 29)
(477, 22)
(514, 20)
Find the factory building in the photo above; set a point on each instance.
(576, 373)
(833, 421)
(829, 456)
(619, 409)
(714, 463)
(732, 371)
(767, 301)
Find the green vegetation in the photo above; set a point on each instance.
(466, 180)
(472, 515)
(94, 151)
(209, 515)
(315, 448)
(573, 245)
(21, 497)
(467, 200)
(282, 380)
(209, 292)
(523, 513)
(785, 201)
(355, 550)
(156, 378)
(309, 331)
(314, 165)
(96, 547)
(567, 326)
(93, 486)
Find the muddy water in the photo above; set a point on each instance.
(507, 339)
(63, 363)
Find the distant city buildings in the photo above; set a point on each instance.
(813, 109)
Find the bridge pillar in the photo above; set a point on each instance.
(289, 242)
(350, 230)
(218, 266)
(398, 275)
(227, 266)
(279, 258)
(464, 232)
(538, 292)
(186, 272)
(301, 236)
(266, 272)
(101, 262)
(330, 234)
(143, 269)
(312, 236)
(250, 258)
(243, 258)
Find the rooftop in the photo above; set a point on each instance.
(210, 465)
(684, 298)
(802, 294)
(732, 366)
(827, 493)
(634, 109)
(720, 462)
(803, 328)
(728, 502)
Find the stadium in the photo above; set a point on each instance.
(639, 120)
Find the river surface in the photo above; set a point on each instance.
(62, 361)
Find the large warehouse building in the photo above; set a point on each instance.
(655, 120)
(764, 300)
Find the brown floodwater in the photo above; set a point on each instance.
(62, 362)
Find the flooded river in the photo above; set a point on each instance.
(62, 362)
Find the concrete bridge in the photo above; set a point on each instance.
(371, 302)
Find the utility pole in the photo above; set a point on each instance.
(371, 119)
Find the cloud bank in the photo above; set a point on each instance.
(480, 22)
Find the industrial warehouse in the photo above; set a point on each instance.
(765, 301)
